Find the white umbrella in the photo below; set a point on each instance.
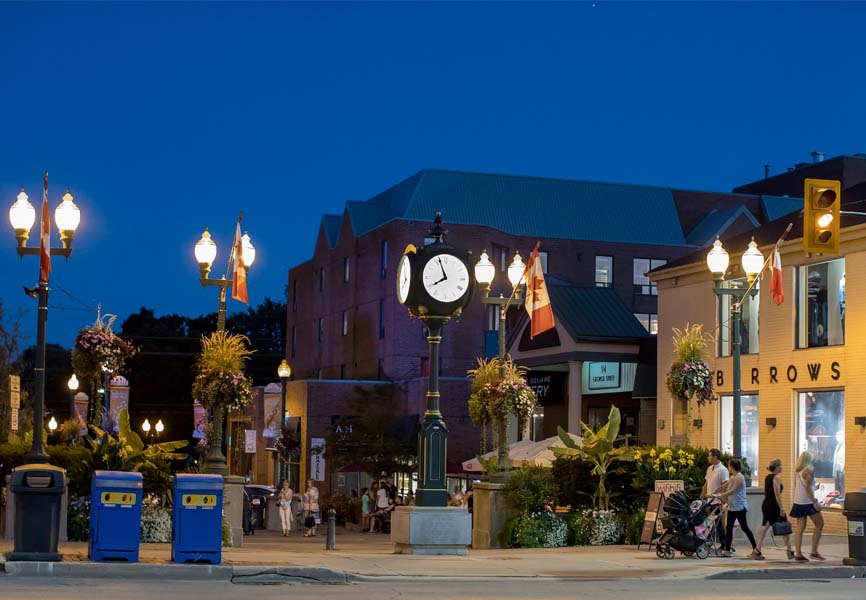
(525, 452)
(473, 466)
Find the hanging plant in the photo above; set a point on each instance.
(690, 376)
(220, 381)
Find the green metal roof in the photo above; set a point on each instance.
(779, 206)
(593, 313)
(716, 222)
(528, 206)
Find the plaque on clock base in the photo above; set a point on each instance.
(431, 530)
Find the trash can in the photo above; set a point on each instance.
(197, 518)
(37, 491)
(855, 511)
(115, 515)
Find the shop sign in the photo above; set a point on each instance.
(549, 386)
(787, 374)
(603, 375)
(250, 441)
(317, 459)
(669, 486)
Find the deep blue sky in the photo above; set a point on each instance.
(166, 118)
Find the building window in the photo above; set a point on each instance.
(642, 284)
(319, 327)
(295, 296)
(492, 318)
(322, 279)
(542, 256)
(821, 304)
(345, 269)
(603, 271)
(383, 260)
(650, 321)
(749, 323)
(345, 323)
(748, 430)
(821, 432)
(294, 339)
(381, 319)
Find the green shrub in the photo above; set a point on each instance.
(536, 530)
(78, 518)
(633, 525)
(76, 461)
(226, 533)
(579, 529)
(530, 489)
(594, 528)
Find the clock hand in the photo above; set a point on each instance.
(438, 282)
(444, 276)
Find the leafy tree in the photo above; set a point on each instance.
(378, 434)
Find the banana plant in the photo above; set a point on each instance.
(598, 448)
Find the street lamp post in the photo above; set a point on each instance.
(205, 253)
(72, 384)
(156, 430)
(484, 274)
(22, 215)
(284, 371)
(753, 264)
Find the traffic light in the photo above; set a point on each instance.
(821, 199)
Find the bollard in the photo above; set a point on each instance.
(332, 529)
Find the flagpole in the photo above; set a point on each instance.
(760, 274)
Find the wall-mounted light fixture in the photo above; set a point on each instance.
(698, 423)
(661, 423)
(771, 422)
(861, 421)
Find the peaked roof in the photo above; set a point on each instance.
(528, 206)
(331, 225)
(716, 222)
(779, 206)
(593, 313)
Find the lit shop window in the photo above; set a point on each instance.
(821, 304)
(603, 271)
(821, 432)
(749, 326)
(748, 430)
(642, 284)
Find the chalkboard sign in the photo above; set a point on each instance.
(653, 508)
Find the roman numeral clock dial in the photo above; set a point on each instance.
(445, 278)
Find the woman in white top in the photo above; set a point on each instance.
(312, 517)
(285, 503)
(805, 505)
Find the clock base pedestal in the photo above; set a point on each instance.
(431, 530)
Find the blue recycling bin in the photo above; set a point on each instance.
(115, 515)
(197, 518)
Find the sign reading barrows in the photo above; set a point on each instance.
(788, 374)
(603, 375)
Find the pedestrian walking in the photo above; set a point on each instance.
(717, 475)
(771, 508)
(312, 516)
(806, 506)
(285, 503)
(734, 494)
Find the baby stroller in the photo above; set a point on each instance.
(689, 527)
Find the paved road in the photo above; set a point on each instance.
(523, 589)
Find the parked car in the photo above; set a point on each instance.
(258, 494)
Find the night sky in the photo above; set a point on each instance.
(165, 118)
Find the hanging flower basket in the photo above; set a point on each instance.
(220, 381)
(690, 376)
(494, 398)
(98, 352)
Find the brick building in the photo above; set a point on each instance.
(345, 324)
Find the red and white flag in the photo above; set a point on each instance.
(537, 299)
(45, 235)
(777, 289)
(239, 277)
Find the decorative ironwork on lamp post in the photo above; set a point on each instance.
(284, 371)
(22, 216)
(753, 264)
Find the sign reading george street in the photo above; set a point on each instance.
(603, 375)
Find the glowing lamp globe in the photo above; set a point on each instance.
(718, 259)
(484, 270)
(753, 260)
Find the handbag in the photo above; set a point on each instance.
(782, 527)
(310, 522)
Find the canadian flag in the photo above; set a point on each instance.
(777, 289)
(45, 235)
(239, 277)
(537, 299)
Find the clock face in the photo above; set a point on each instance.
(445, 278)
(404, 278)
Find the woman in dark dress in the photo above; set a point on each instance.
(771, 508)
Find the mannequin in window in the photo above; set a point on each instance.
(817, 293)
(839, 462)
(842, 304)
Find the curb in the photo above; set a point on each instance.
(833, 572)
(177, 572)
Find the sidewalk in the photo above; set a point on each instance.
(361, 557)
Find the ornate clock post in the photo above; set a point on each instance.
(434, 283)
